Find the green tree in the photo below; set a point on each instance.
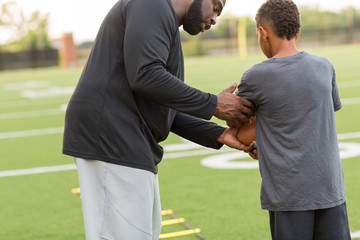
(26, 33)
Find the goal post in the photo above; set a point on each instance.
(242, 42)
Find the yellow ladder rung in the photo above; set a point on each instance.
(172, 221)
(166, 212)
(178, 234)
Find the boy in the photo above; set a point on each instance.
(296, 95)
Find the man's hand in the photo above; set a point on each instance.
(228, 137)
(233, 109)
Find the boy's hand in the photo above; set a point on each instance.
(252, 151)
(233, 109)
(254, 154)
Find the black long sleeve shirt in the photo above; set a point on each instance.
(131, 93)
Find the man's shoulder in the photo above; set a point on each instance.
(156, 5)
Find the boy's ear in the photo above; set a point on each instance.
(264, 32)
(297, 35)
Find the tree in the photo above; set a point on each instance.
(26, 33)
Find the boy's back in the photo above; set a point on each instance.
(296, 97)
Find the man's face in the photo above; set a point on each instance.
(201, 15)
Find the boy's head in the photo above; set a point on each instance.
(278, 28)
(282, 16)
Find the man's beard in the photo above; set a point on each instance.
(193, 18)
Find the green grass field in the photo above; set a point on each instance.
(223, 202)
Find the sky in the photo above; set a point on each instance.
(83, 17)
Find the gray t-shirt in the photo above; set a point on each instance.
(298, 151)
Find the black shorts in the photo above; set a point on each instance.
(322, 224)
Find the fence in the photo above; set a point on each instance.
(29, 59)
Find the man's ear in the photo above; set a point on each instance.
(264, 33)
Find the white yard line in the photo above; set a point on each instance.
(349, 84)
(28, 114)
(38, 170)
(344, 136)
(66, 167)
(48, 93)
(31, 133)
(29, 102)
(355, 235)
(26, 85)
(184, 149)
(350, 101)
(187, 151)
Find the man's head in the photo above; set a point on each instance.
(201, 14)
(282, 16)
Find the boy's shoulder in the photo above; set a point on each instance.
(257, 70)
(272, 65)
(317, 57)
(319, 63)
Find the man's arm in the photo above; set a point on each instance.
(147, 43)
(197, 130)
(235, 110)
(205, 133)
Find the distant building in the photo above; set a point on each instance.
(67, 49)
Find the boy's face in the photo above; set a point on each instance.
(262, 40)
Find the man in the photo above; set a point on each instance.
(130, 95)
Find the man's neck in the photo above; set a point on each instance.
(180, 7)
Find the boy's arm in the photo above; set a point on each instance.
(335, 93)
(245, 89)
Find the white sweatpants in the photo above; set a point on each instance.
(119, 203)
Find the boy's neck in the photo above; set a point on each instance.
(283, 48)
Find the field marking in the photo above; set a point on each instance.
(225, 161)
(38, 170)
(355, 235)
(349, 84)
(26, 85)
(350, 101)
(28, 114)
(345, 136)
(31, 133)
(177, 150)
(28, 103)
(50, 92)
(230, 160)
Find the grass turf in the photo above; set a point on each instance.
(223, 203)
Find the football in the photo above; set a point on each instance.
(247, 132)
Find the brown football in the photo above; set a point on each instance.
(247, 132)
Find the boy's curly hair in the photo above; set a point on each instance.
(282, 16)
